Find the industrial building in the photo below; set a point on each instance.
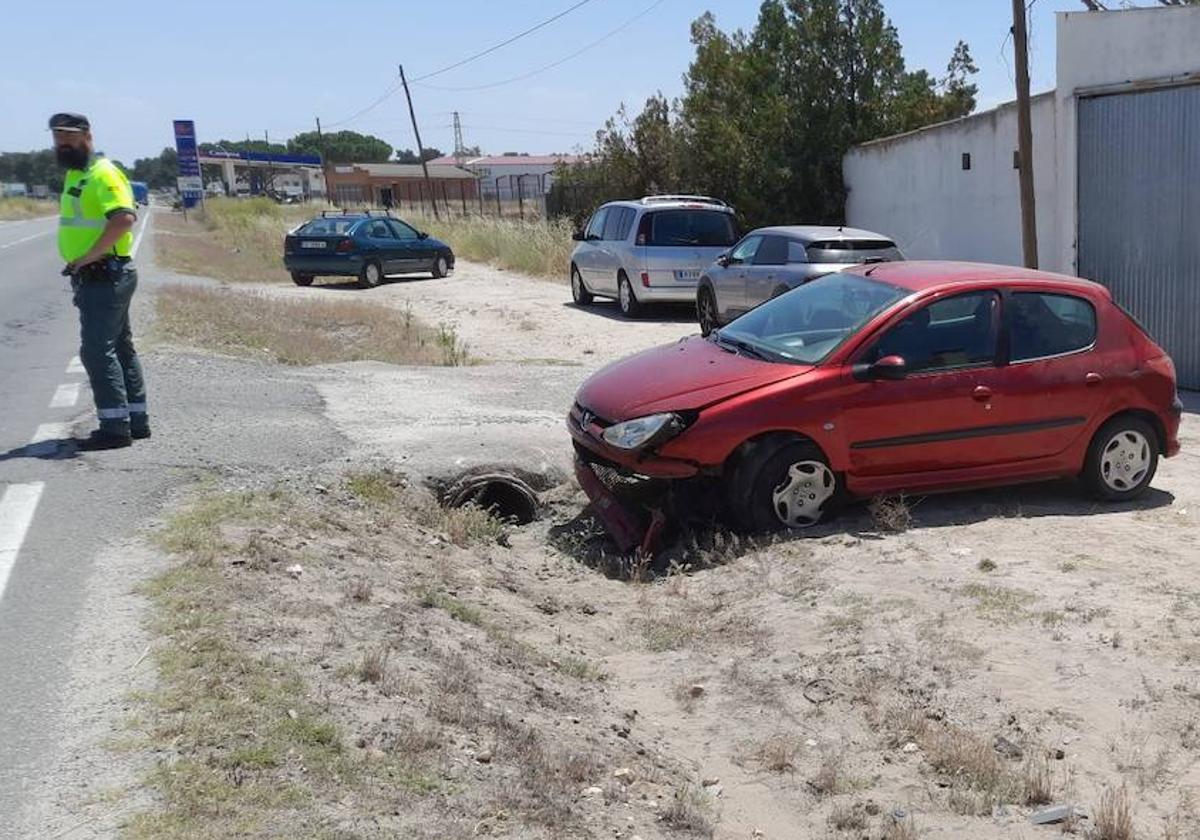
(396, 184)
(1116, 162)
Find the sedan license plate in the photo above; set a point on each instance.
(687, 274)
(317, 244)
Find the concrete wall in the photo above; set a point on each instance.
(913, 187)
(1106, 51)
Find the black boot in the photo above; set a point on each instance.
(98, 441)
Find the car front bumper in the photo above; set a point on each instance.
(587, 434)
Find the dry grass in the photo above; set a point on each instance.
(541, 248)
(777, 753)
(894, 829)
(848, 817)
(1113, 818)
(891, 513)
(689, 810)
(300, 332)
(25, 208)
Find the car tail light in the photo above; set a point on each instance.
(345, 246)
(645, 279)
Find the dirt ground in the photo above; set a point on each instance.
(1007, 650)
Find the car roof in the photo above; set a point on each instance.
(925, 275)
(652, 202)
(813, 233)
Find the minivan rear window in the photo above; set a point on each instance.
(852, 250)
(709, 228)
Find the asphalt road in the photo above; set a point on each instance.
(63, 512)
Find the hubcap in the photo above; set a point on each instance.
(576, 285)
(798, 499)
(626, 296)
(1125, 460)
(372, 274)
(441, 265)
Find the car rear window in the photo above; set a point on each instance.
(326, 227)
(710, 228)
(852, 250)
(1043, 324)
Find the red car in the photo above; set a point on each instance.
(893, 377)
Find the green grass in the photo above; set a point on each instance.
(539, 248)
(453, 607)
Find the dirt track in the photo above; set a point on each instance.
(1068, 628)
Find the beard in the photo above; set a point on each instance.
(71, 157)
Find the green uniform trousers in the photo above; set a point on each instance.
(106, 346)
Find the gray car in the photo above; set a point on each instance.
(649, 250)
(772, 260)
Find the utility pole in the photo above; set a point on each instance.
(420, 149)
(458, 141)
(321, 153)
(1029, 246)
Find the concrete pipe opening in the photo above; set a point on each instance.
(504, 496)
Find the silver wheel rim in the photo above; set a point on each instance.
(373, 274)
(576, 285)
(708, 315)
(1125, 460)
(799, 497)
(626, 295)
(441, 265)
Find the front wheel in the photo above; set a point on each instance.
(626, 300)
(440, 267)
(579, 292)
(782, 483)
(706, 310)
(370, 276)
(302, 279)
(1121, 460)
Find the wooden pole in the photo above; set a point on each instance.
(417, 132)
(1029, 247)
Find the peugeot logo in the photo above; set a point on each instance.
(586, 418)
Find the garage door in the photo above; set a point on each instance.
(1139, 211)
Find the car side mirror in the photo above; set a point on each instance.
(422, 235)
(891, 368)
(577, 236)
(723, 260)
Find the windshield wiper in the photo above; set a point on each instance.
(742, 346)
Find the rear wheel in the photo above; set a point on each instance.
(1122, 459)
(782, 483)
(440, 267)
(706, 310)
(579, 292)
(626, 300)
(370, 276)
(302, 279)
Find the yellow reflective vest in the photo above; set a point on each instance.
(89, 197)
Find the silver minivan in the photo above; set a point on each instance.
(649, 250)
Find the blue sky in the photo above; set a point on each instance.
(274, 65)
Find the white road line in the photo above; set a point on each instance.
(44, 439)
(66, 395)
(75, 365)
(141, 234)
(17, 507)
(25, 239)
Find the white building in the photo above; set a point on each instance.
(529, 176)
(1116, 158)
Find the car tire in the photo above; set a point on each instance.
(1121, 459)
(302, 279)
(579, 292)
(627, 301)
(782, 482)
(370, 276)
(706, 310)
(440, 267)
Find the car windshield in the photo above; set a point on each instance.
(326, 227)
(692, 227)
(808, 323)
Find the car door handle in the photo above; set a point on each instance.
(1093, 379)
(982, 393)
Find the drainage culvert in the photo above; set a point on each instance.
(504, 496)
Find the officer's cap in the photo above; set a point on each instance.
(70, 122)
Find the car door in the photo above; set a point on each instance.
(732, 294)
(765, 272)
(588, 257)
(383, 245)
(412, 252)
(1052, 385)
(609, 250)
(940, 415)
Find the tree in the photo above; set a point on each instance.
(32, 168)
(409, 156)
(157, 172)
(341, 147)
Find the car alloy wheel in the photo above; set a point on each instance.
(371, 274)
(707, 312)
(630, 307)
(1125, 460)
(798, 499)
(440, 268)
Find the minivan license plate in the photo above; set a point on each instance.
(316, 244)
(687, 274)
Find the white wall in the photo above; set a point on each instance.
(913, 187)
(1103, 50)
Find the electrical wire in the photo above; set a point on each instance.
(495, 47)
(387, 94)
(553, 64)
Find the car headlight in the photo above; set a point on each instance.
(642, 431)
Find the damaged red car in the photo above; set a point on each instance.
(885, 378)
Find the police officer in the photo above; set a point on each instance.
(95, 237)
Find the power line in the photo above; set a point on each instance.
(495, 47)
(387, 94)
(554, 64)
